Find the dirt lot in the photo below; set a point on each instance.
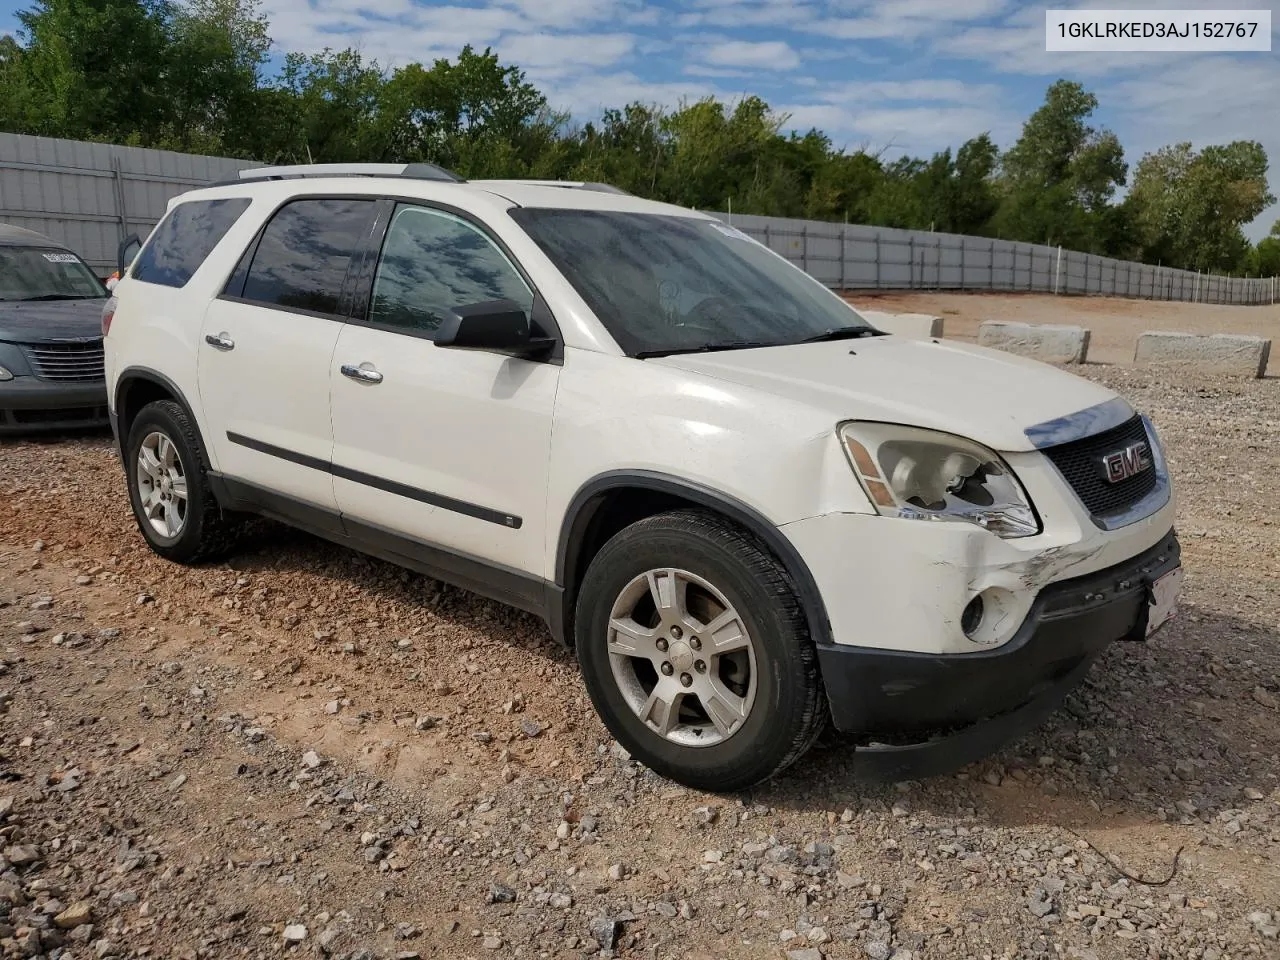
(304, 752)
(1114, 324)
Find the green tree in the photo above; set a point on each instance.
(22, 110)
(1188, 208)
(96, 66)
(329, 101)
(216, 56)
(1264, 259)
(1061, 174)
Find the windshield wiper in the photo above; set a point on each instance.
(706, 348)
(56, 296)
(842, 333)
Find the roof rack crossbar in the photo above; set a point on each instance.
(413, 171)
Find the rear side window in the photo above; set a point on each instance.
(302, 258)
(185, 237)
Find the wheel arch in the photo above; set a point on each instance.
(611, 501)
(138, 386)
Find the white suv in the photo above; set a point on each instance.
(746, 509)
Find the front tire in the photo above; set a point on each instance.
(696, 652)
(169, 489)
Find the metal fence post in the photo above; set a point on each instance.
(938, 266)
(1057, 277)
(122, 212)
(991, 266)
(844, 247)
(877, 241)
(963, 244)
(911, 261)
(804, 249)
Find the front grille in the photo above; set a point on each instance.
(67, 361)
(1079, 462)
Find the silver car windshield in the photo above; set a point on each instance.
(670, 284)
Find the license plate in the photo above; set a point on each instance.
(1164, 599)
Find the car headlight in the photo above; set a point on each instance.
(5, 375)
(922, 474)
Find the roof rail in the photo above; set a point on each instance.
(413, 171)
(568, 184)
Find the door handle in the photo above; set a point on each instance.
(363, 373)
(221, 341)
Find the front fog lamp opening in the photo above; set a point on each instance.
(971, 618)
(990, 616)
(925, 475)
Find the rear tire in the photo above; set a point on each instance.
(169, 489)
(696, 652)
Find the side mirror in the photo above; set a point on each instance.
(127, 250)
(496, 326)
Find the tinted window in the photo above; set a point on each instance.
(185, 237)
(433, 262)
(46, 273)
(667, 284)
(301, 261)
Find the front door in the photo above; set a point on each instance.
(445, 446)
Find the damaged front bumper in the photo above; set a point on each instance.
(985, 698)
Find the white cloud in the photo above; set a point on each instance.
(903, 20)
(931, 90)
(915, 130)
(545, 53)
(741, 14)
(764, 55)
(566, 13)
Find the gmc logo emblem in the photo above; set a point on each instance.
(1126, 463)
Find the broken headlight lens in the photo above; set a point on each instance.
(922, 474)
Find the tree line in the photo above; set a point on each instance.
(194, 76)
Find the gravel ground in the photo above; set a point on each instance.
(306, 752)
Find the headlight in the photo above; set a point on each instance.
(926, 475)
(5, 375)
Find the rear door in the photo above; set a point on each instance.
(268, 341)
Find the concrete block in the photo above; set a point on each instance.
(919, 326)
(1051, 343)
(1227, 354)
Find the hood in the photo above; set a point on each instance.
(982, 394)
(45, 320)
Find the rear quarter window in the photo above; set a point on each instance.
(185, 238)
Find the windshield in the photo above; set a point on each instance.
(669, 284)
(46, 273)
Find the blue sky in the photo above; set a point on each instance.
(897, 75)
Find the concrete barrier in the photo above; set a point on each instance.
(1227, 354)
(1052, 343)
(919, 326)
